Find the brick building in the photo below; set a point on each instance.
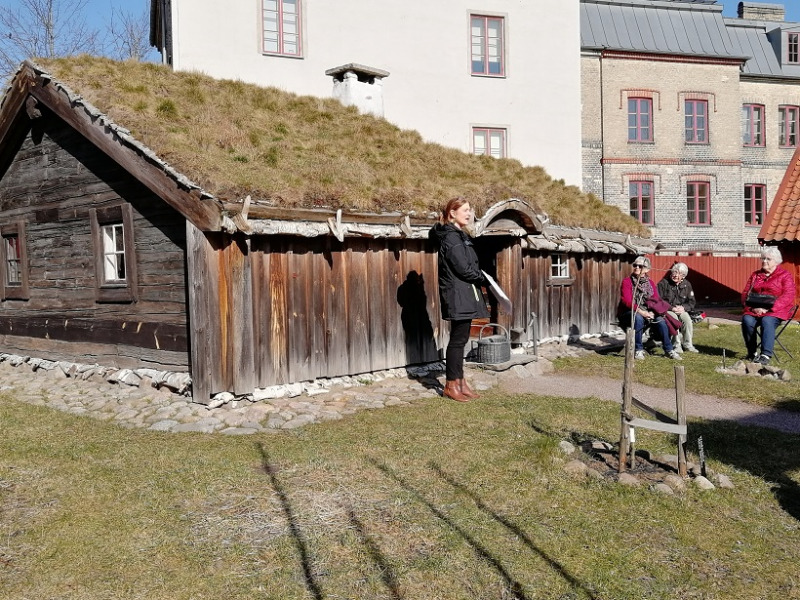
(689, 118)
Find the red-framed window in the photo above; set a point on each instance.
(488, 45)
(755, 204)
(753, 124)
(696, 121)
(698, 203)
(787, 124)
(281, 27)
(640, 195)
(793, 48)
(640, 119)
(489, 141)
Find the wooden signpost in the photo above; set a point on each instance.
(659, 421)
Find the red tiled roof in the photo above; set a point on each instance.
(783, 220)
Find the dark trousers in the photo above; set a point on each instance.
(639, 325)
(454, 357)
(750, 325)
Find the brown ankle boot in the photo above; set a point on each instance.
(466, 390)
(453, 390)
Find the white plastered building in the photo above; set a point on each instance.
(494, 76)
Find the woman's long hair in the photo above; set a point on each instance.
(454, 204)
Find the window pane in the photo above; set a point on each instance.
(494, 46)
(746, 127)
(12, 250)
(479, 142)
(496, 140)
(113, 253)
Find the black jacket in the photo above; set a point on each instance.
(460, 276)
(681, 294)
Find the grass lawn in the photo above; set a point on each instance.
(434, 501)
(701, 376)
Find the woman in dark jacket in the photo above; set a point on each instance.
(460, 278)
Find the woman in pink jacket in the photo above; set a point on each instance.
(773, 280)
(635, 293)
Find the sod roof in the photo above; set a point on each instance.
(236, 139)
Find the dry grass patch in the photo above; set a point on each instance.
(236, 139)
(428, 501)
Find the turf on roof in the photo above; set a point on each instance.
(236, 139)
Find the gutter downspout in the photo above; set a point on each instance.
(602, 134)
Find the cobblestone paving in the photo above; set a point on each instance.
(160, 410)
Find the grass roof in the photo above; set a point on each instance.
(236, 139)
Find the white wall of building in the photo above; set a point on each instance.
(425, 46)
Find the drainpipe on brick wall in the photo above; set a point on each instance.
(602, 134)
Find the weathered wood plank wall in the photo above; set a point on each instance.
(586, 304)
(53, 181)
(320, 308)
(323, 308)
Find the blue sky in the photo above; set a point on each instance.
(101, 9)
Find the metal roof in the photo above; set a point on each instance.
(761, 41)
(753, 41)
(683, 27)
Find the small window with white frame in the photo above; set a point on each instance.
(559, 266)
(116, 278)
(113, 253)
(793, 48)
(489, 141)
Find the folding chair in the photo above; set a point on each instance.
(780, 331)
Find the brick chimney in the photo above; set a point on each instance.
(759, 11)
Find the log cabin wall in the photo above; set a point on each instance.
(584, 302)
(53, 181)
(315, 307)
(323, 308)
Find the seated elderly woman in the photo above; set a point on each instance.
(637, 293)
(675, 289)
(768, 299)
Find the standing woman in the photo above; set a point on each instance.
(460, 278)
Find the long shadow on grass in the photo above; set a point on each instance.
(513, 585)
(765, 453)
(297, 536)
(515, 529)
(386, 571)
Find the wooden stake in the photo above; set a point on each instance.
(627, 395)
(680, 409)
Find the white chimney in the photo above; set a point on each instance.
(359, 86)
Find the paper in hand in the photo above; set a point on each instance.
(502, 300)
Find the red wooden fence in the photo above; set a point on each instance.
(715, 279)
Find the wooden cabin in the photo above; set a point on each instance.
(111, 256)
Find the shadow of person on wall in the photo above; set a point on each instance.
(420, 342)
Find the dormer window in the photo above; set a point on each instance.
(793, 48)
